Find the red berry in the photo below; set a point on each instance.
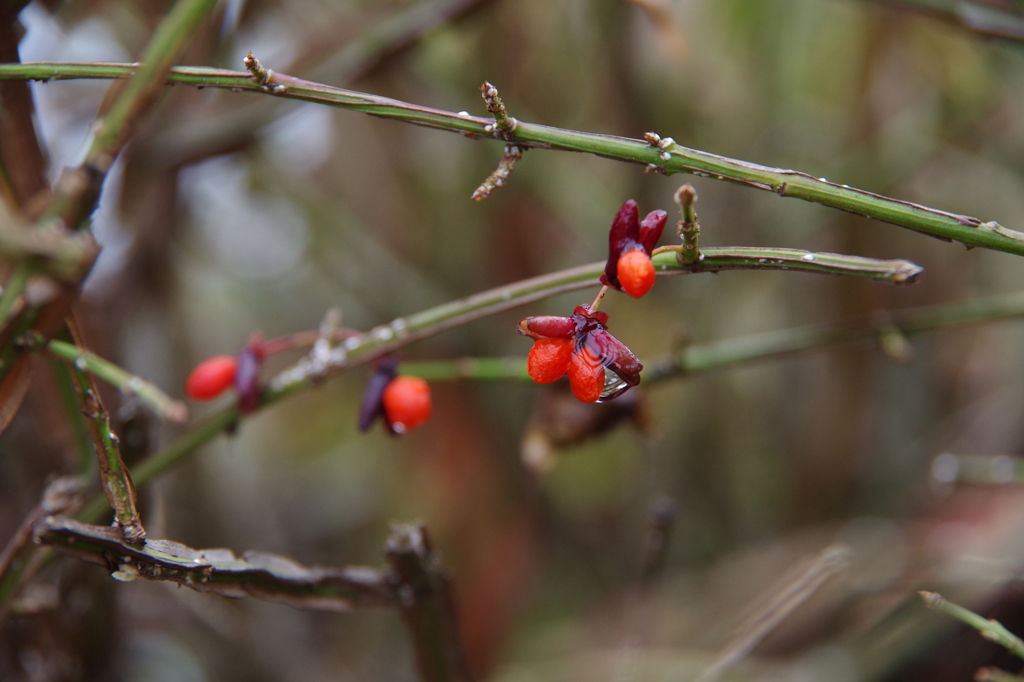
(211, 377)
(549, 359)
(407, 403)
(586, 375)
(636, 272)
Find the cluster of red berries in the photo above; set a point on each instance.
(600, 367)
(402, 401)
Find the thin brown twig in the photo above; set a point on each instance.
(257, 574)
(20, 559)
(426, 604)
(115, 476)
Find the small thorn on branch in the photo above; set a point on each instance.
(689, 227)
(262, 75)
(662, 144)
(513, 153)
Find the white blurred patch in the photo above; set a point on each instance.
(66, 109)
(88, 41)
(109, 231)
(271, 38)
(301, 141)
(253, 236)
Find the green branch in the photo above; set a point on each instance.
(728, 353)
(117, 480)
(675, 159)
(129, 384)
(362, 348)
(991, 630)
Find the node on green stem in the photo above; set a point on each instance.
(689, 226)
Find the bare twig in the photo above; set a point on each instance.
(20, 558)
(117, 480)
(426, 604)
(513, 153)
(264, 576)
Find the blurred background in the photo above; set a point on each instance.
(232, 213)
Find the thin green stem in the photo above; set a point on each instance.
(478, 369)
(788, 183)
(362, 348)
(117, 480)
(689, 225)
(597, 299)
(728, 353)
(129, 384)
(991, 630)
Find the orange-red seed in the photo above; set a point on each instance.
(636, 273)
(407, 403)
(586, 375)
(211, 377)
(549, 359)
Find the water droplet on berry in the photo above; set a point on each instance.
(613, 386)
